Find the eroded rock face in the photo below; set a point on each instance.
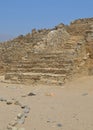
(56, 39)
(53, 41)
(49, 55)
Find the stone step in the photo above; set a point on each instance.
(66, 51)
(39, 62)
(46, 78)
(43, 70)
(43, 65)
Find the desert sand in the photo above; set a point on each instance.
(67, 107)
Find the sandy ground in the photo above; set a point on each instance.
(68, 107)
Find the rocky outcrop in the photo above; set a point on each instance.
(49, 55)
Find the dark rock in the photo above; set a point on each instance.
(9, 102)
(22, 106)
(31, 94)
(84, 94)
(59, 125)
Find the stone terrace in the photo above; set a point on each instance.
(49, 56)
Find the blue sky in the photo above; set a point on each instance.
(21, 16)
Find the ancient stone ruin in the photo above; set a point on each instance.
(49, 56)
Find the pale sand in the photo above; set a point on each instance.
(68, 107)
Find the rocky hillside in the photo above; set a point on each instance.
(49, 55)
